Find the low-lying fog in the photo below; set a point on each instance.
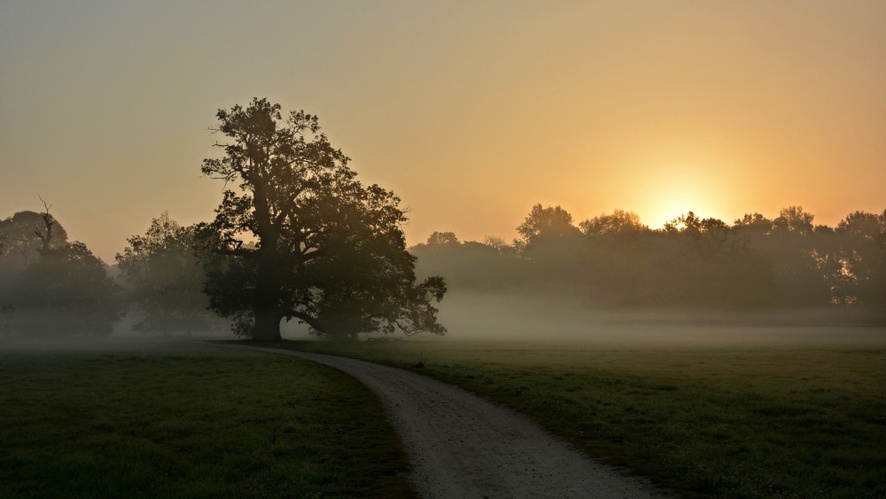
(478, 316)
(473, 316)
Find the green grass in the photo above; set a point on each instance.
(716, 422)
(190, 421)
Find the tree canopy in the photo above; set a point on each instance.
(546, 225)
(164, 278)
(24, 235)
(49, 286)
(691, 264)
(301, 238)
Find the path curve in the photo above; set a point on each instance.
(462, 446)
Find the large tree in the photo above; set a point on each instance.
(301, 238)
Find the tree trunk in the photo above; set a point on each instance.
(267, 285)
(267, 326)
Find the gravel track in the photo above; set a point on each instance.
(462, 446)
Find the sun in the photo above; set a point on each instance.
(668, 193)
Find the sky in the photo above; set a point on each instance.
(470, 111)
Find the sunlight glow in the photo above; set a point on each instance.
(673, 191)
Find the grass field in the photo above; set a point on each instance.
(743, 421)
(189, 420)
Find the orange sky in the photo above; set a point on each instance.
(470, 111)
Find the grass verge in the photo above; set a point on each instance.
(190, 421)
(738, 422)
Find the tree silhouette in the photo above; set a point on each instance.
(551, 225)
(619, 223)
(862, 258)
(443, 238)
(164, 278)
(708, 235)
(25, 234)
(301, 238)
(794, 219)
(67, 291)
(757, 264)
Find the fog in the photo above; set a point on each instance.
(607, 281)
(471, 316)
(536, 322)
(697, 281)
(539, 321)
(116, 344)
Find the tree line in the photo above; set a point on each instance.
(692, 263)
(297, 237)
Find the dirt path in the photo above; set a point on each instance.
(462, 446)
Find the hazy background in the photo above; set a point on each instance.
(471, 112)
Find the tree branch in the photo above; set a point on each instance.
(308, 319)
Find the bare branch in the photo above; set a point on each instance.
(47, 207)
(47, 222)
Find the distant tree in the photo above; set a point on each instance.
(753, 222)
(443, 238)
(619, 223)
(498, 243)
(328, 250)
(802, 259)
(705, 263)
(861, 260)
(469, 264)
(25, 234)
(67, 291)
(794, 219)
(708, 235)
(546, 226)
(863, 225)
(551, 251)
(616, 267)
(24, 237)
(164, 278)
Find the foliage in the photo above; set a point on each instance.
(49, 286)
(861, 255)
(442, 238)
(486, 266)
(22, 238)
(545, 226)
(327, 250)
(164, 278)
(794, 219)
(692, 263)
(67, 291)
(619, 223)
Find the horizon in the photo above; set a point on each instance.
(410, 242)
(470, 113)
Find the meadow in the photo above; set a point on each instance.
(780, 420)
(189, 420)
(783, 419)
